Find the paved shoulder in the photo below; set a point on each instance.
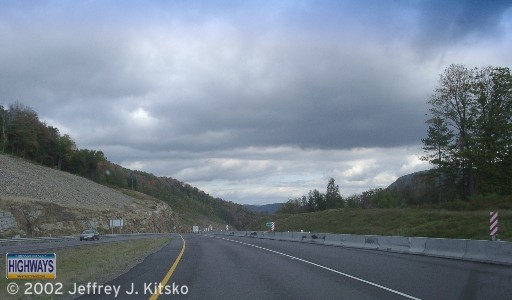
(143, 279)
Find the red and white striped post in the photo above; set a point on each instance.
(493, 220)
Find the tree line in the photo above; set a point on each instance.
(24, 135)
(469, 138)
(331, 199)
(315, 201)
(468, 142)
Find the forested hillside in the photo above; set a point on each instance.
(24, 135)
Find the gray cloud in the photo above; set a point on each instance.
(247, 100)
(442, 24)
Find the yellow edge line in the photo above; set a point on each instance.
(171, 270)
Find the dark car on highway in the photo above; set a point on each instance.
(89, 235)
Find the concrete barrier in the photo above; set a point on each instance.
(332, 239)
(289, 236)
(299, 236)
(394, 243)
(489, 251)
(352, 240)
(417, 245)
(482, 251)
(314, 238)
(282, 236)
(371, 242)
(450, 248)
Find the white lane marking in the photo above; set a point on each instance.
(324, 267)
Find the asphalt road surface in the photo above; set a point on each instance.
(218, 267)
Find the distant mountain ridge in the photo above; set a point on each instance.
(407, 180)
(416, 188)
(265, 208)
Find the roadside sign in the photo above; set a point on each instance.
(117, 223)
(271, 225)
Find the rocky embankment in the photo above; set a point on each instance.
(40, 201)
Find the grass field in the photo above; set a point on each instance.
(396, 222)
(92, 263)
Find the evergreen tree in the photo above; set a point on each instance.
(333, 197)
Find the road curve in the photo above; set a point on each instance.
(218, 267)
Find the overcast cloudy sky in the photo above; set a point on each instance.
(252, 101)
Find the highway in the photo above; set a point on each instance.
(217, 267)
(47, 244)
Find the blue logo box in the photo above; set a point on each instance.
(31, 265)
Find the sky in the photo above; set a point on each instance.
(254, 102)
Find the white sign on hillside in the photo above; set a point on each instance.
(116, 223)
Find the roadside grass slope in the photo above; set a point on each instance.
(413, 222)
(89, 263)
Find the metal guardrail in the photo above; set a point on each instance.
(67, 237)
